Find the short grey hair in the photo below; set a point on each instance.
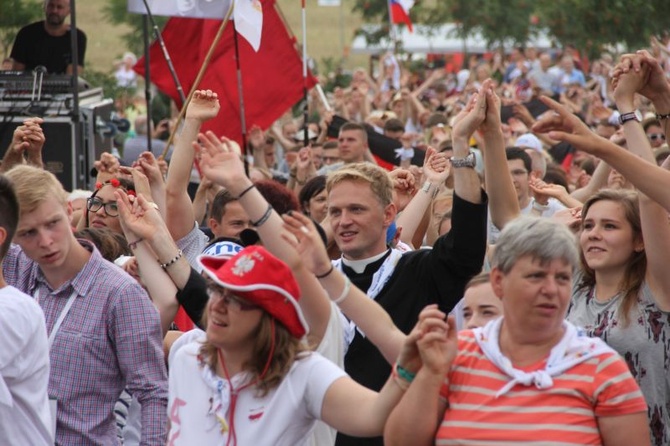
(541, 238)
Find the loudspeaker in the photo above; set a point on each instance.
(60, 155)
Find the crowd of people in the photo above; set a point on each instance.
(500, 281)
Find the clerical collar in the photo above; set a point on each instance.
(359, 265)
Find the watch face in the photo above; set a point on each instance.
(638, 115)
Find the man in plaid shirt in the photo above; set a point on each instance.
(104, 333)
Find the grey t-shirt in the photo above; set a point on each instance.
(644, 344)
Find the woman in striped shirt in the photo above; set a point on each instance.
(529, 377)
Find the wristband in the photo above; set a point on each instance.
(133, 245)
(264, 218)
(245, 191)
(345, 291)
(326, 274)
(404, 373)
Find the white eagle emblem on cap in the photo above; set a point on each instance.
(243, 265)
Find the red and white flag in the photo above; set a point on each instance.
(197, 9)
(400, 12)
(272, 80)
(248, 17)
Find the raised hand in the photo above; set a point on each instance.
(656, 85)
(404, 187)
(306, 241)
(628, 84)
(571, 217)
(492, 122)
(471, 117)
(29, 137)
(140, 181)
(138, 216)
(218, 161)
(108, 166)
(565, 126)
(256, 137)
(427, 344)
(436, 166)
(150, 166)
(204, 105)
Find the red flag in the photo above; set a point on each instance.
(271, 78)
(400, 12)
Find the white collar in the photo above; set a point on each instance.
(574, 348)
(359, 265)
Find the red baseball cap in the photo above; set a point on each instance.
(262, 279)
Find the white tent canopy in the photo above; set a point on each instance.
(440, 40)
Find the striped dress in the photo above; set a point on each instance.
(565, 414)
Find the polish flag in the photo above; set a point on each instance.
(248, 18)
(400, 12)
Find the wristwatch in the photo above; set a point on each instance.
(469, 161)
(634, 115)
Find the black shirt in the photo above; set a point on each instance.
(421, 277)
(33, 46)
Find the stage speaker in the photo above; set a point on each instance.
(59, 154)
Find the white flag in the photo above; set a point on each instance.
(248, 17)
(200, 9)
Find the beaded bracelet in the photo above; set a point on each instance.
(245, 191)
(173, 261)
(264, 218)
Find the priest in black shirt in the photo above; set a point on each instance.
(48, 42)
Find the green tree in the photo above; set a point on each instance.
(591, 25)
(14, 15)
(498, 21)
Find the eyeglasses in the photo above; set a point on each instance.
(94, 204)
(216, 294)
(655, 136)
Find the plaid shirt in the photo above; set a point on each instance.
(111, 338)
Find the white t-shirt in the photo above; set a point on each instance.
(25, 417)
(285, 416)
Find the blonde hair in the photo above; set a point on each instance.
(378, 179)
(34, 186)
(284, 347)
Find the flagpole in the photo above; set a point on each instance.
(166, 54)
(304, 74)
(392, 29)
(240, 92)
(199, 77)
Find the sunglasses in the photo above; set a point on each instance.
(94, 204)
(655, 136)
(217, 293)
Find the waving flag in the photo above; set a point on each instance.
(197, 9)
(400, 12)
(272, 79)
(248, 17)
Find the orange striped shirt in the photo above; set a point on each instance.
(565, 414)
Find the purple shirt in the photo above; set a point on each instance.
(110, 339)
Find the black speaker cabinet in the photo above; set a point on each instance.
(60, 153)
